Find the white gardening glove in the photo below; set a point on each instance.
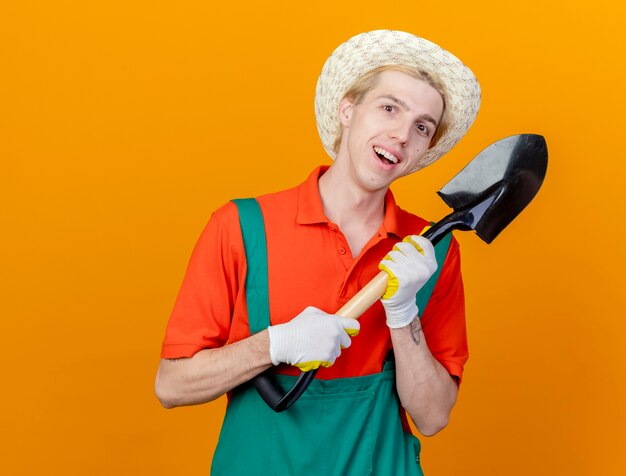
(312, 339)
(409, 265)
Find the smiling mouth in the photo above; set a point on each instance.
(385, 155)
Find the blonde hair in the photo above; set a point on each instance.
(369, 80)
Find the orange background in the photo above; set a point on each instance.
(124, 124)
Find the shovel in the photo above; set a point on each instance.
(485, 197)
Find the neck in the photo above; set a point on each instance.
(356, 211)
(344, 203)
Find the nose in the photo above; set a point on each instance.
(401, 132)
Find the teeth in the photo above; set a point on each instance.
(386, 154)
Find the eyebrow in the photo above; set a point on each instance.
(401, 103)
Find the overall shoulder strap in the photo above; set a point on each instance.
(257, 293)
(423, 296)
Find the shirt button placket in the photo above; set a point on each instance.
(341, 249)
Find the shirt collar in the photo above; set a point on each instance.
(392, 224)
(311, 210)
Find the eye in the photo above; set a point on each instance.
(422, 128)
(389, 108)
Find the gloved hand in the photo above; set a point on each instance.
(409, 265)
(312, 339)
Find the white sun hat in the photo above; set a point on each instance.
(372, 49)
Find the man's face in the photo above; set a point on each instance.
(390, 130)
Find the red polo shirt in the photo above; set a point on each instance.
(309, 264)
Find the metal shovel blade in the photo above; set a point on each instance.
(496, 185)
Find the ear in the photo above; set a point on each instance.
(346, 107)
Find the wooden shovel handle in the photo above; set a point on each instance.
(367, 296)
(268, 388)
(374, 290)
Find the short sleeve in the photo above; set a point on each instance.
(208, 296)
(443, 321)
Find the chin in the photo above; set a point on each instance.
(376, 184)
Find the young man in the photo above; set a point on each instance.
(387, 104)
